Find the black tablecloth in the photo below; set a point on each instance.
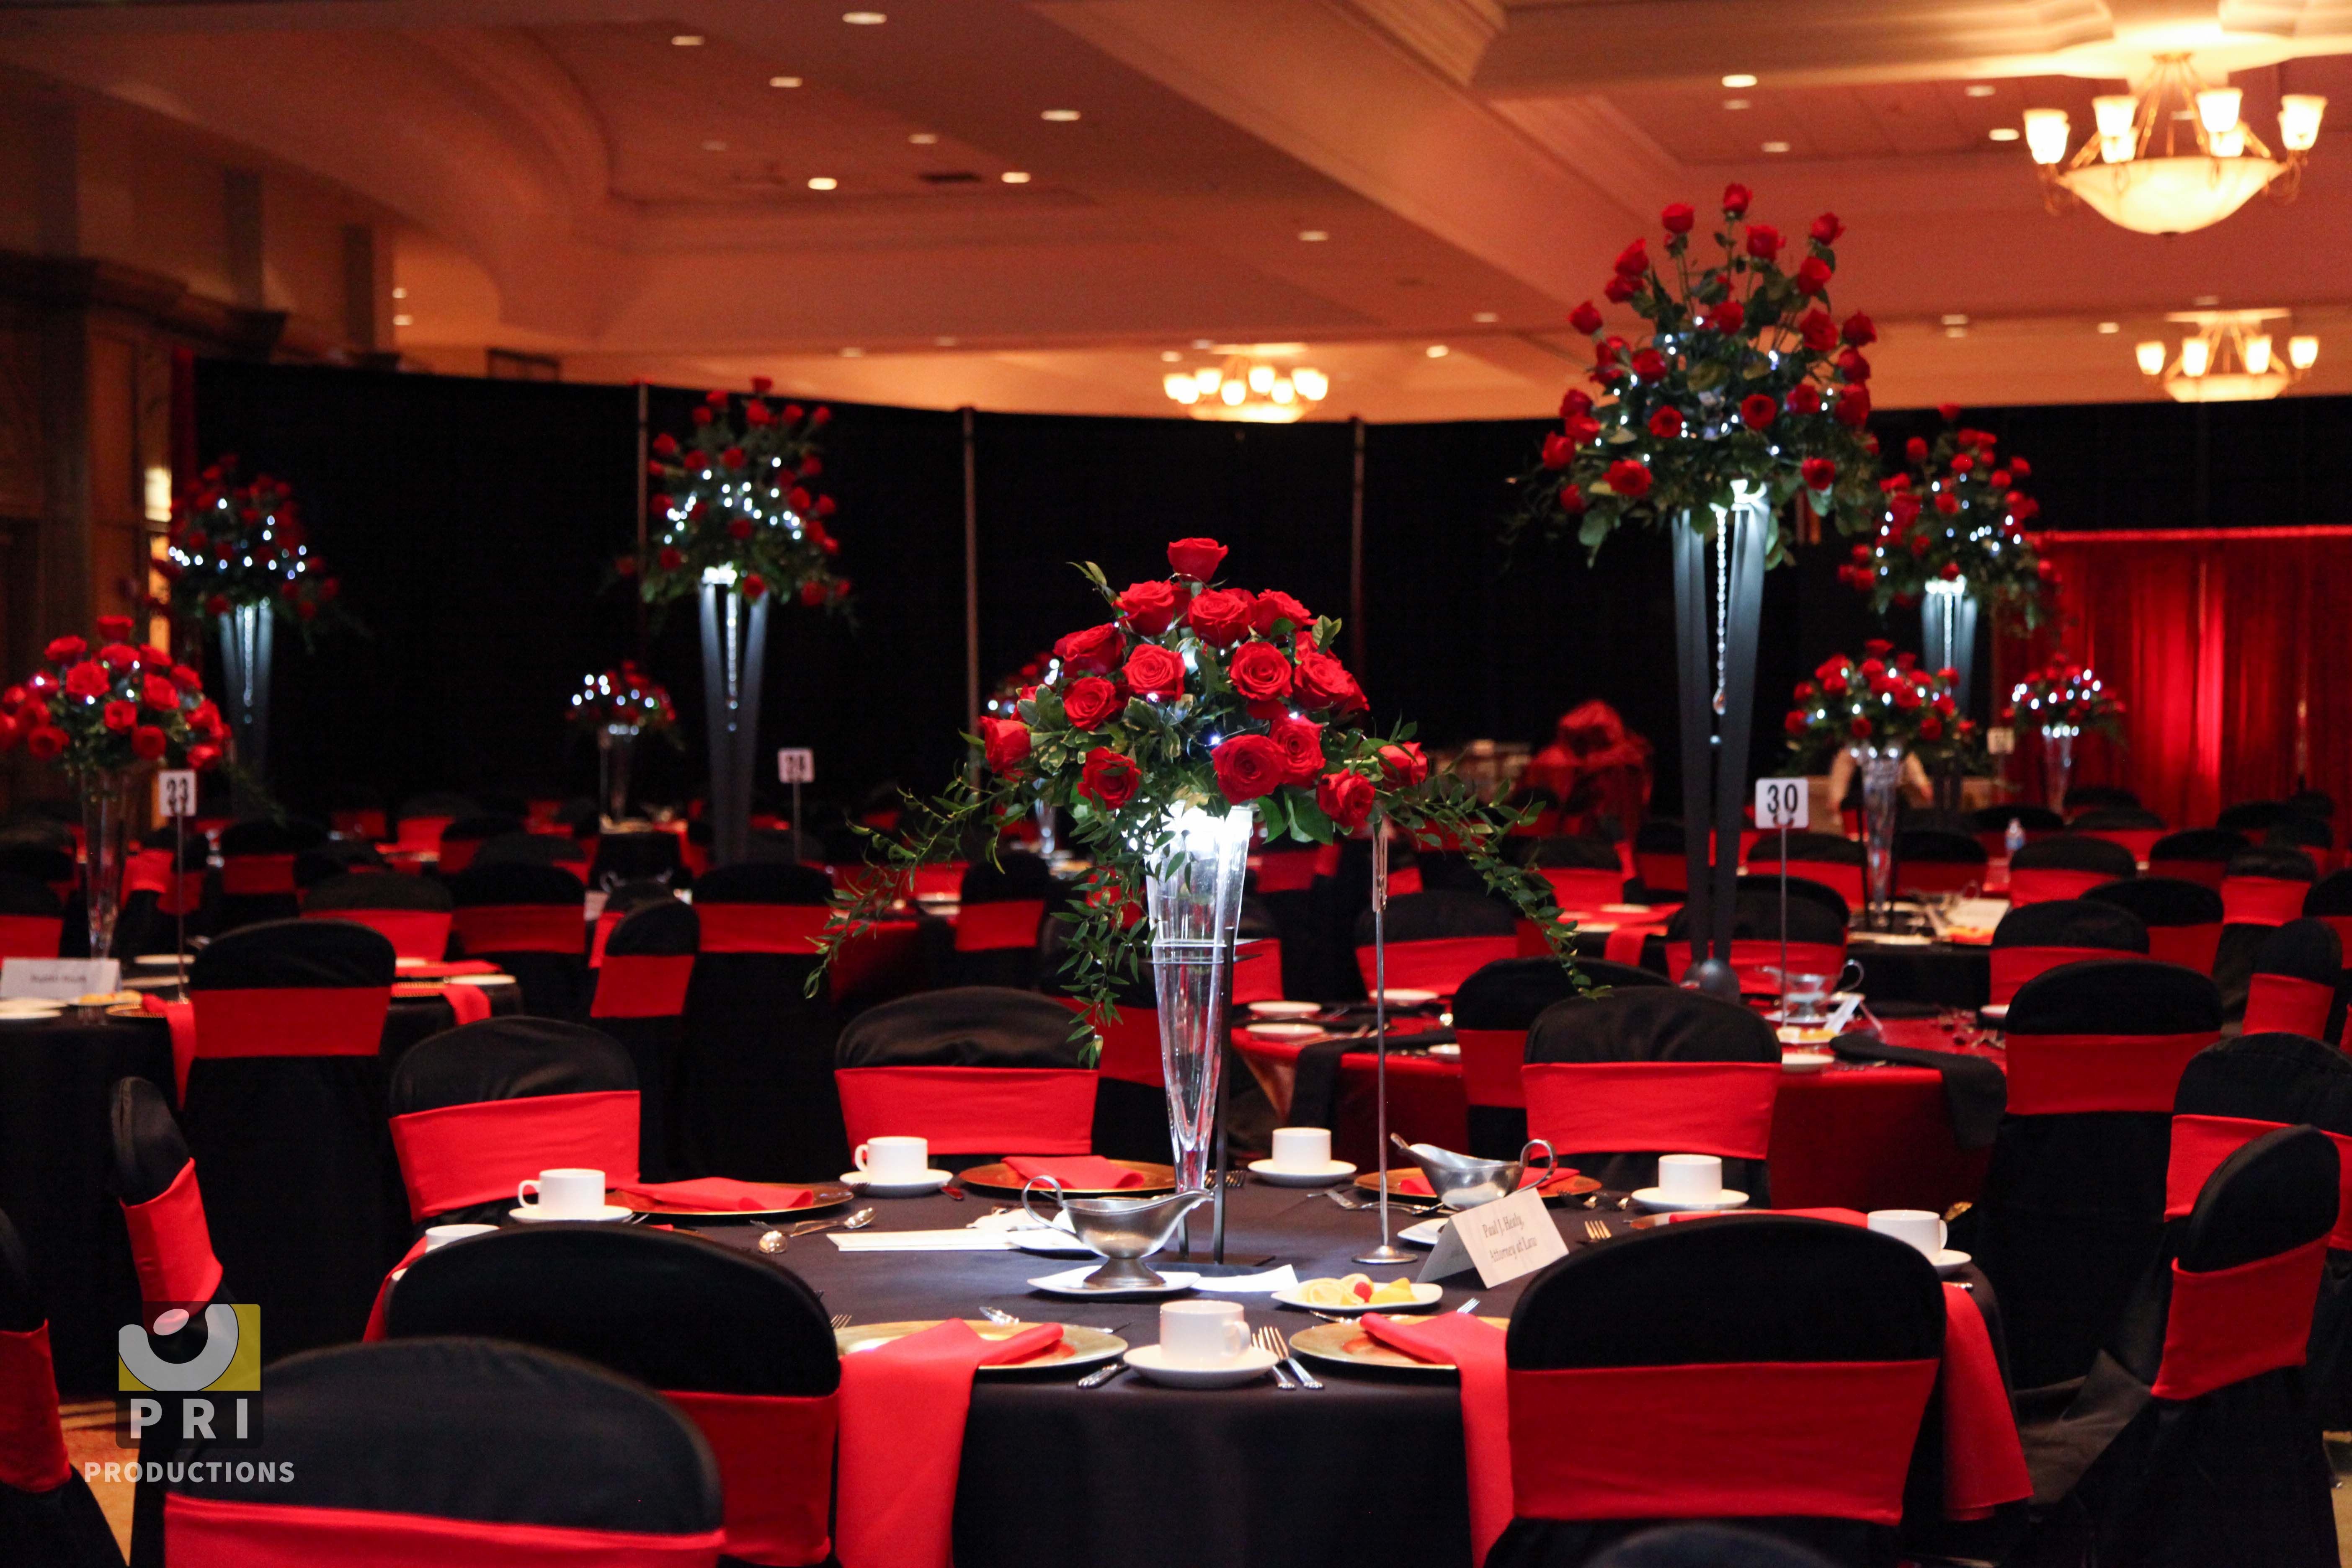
(1953, 974)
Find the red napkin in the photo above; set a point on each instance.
(902, 1418)
(383, 1292)
(717, 1194)
(443, 970)
(1843, 1217)
(469, 1002)
(1476, 1347)
(1073, 1170)
(1623, 945)
(1984, 1464)
(180, 1017)
(1416, 1185)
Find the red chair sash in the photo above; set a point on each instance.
(1662, 872)
(2261, 900)
(150, 872)
(290, 1021)
(1584, 887)
(972, 1111)
(171, 1246)
(1286, 870)
(641, 985)
(2190, 946)
(1441, 963)
(943, 880)
(2040, 884)
(30, 936)
(2204, 873)
(2014, 966)
(775, 1470)
(794, 929)
(1491, 1060)
(1130, 1047)
(2231, 1324)
(245, 874)
(1939, 876)
(2341, 925)
(522, 927)
(414, 933)
(1825, 1438)
(1257, 970)
(210, 1533)
(1843, 876)
(2288, 1003)
(2051, 1075)
(363, 824)
(992, 928)
(32, 1445)
(2199, 1144)
(459, 1155)
(1622, 945)
(607, 922)
(456, 854)
(2139, 840)
(1683, 1108)
(423, 832)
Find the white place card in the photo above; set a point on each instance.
(920, 1240)
(1503, 1240)
(59, 979)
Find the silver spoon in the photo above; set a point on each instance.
(774, 1241)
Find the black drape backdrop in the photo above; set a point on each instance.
(474, 523)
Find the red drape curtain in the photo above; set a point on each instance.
(2228, 649)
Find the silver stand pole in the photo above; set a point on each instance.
(1784, 923)
(1388, 1251)
(180, 905)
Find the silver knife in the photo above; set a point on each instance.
(1306, 1378)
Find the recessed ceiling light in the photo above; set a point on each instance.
(924, 139)
(1955, 319)
(1014, 177)
(1314, 235)
(2002, 133)
(823, 182)
(714, 146)
(1059, 116)
(1955, 331)
(1735, 103)
(1170, 357)
(852, 353)
(945, 342)
(2203, 301)
(2111, 328)
(783, 81)
(1739, 79)
(1776, 146)
(1485, 318)
(864, 18)
(1978, 90)
(686, 40)
(1437, 351)
(404, 320)
(1204, 342)
(400, 293)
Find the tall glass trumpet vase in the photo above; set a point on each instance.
(1948, 620)
(616, 750)
(1388, 1251)
(734, 651)
(1716, 616)
(246, 633)
(1881, 771)
(109, 797)
(1193, 896)
(2058, 763)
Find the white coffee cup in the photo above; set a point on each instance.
(570, 1193)
(438, 1236)
(1203, 1333)
(1302, 1148)
(1919, 1228)
(1690, 1178)
(888, 1160)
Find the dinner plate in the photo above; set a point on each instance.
(529, 1214)
(1285, 1031)
(158, 961)
(130, 1010)
(1427, 1233)
(1000, 1178)
(1080, 1346)
(825, 1196)
(26, 1015)
(1423, 1295)
(1248, 1366)
(930, 1182)
(1994, 1012)
(1654, 1200)
(1172, 1282)
(479, 980)
(1568, 1184)
(1347, 1344)
(1407, 997)
(1321, 1175)
(150, 982)
(1625, 909)
(1806, 1061)
(1890, 938)
(410, 963)
(1284, 1009)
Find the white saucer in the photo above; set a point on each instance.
(1251, 1364)
(28, 1015)
(1423, 1295)
(1624, 909)
(1951, 1260)
(409, 962)
(529, 1215)
(1806, 1061)
(1655, 1201)
(478, 979)
(1994, 1012)
(930, 1182)
(156, 960)
(1427, 1233)
(1049, 1241)
(1284, 1009)
(1285, 1031)
(1301, 1175)
(1065, 1284)
(1407, 997)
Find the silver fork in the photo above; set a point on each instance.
(841, 1319)
(998, 1315)
(1274, 1340)
(1469, 1306)
(1596, 1230)
(1269, 1340)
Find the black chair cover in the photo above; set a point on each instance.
(2070, 852)
(2213, 846)
(2074, 922)
(2283, 862)
(61, 1526)
(2033, 818)
(2129, 817)
(2250, 815)
(969, 1026)
(1830, 848)
(2331, 895)
(522, 848)
(2070, 1215)
(2315, 804)
(553, 985)
(1564, 849)
(1131, 1119)
(1015, 879)
(262, 835)
(636, 858)
(1938, 846)
(2102, 797)
(1654, 1023)
(656, 1044)
(2159, 900)
(1429, 917)
(755, 1092)
(1817, 912)
(1768, 1289)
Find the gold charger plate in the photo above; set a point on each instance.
(828, 1196)
(1565, 1185)
(1347, 1344)
(1080, 1346)
(999, 1178)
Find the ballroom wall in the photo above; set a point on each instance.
(474, 523)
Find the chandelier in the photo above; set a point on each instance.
(2143, 172)
(2229, 358)
(1248, 390)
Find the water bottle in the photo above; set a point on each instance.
(2014, 839)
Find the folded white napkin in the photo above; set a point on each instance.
(919, 1241)
(1000, 1220)
(1283, 1278)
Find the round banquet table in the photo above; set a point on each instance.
(57, 1086)
(1370, 1469)
(1949, 973)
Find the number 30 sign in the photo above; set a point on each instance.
(1782, 803)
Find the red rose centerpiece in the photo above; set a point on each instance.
(2062, 699)
(109, 713)
(1877, 713)
(619, 706)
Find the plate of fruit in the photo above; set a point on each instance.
(1358, 1293)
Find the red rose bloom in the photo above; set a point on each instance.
(45, 743)
(1149, 607)
(1812, 276)
(121, 715)
(1109, 778)
(754, 586)
(1005, 741)
(1620, 288)
(118, 656)
(1820, 472)
(1826, 229)
(702, 416)
(2020, 467)
(1572, 403)
(1155, 671)
(114, 628)
(1794, 723)
(1650, 364)
(1302, 746)
(86, 680)
(666, 445)
(1859, 330)
(1090, 702)
(1757, 410)
(1582, 429)
(1629, 479)
(1275, 606)
(203, 757)
(186, 680)
(1677, 218)
(1322, 681)
(1832, 672)
(1963, 464)
(1096, 649)
(1634, 260)
(670, 558)
(65, 650)
(812, 594)
(1818, 331)
(1854, 407)
(1585, 318)
(1947, 503)
(1249, 766)
(1806, 691)
(1920, 544)
(1404, 765)
(147, 742)
(1558, 451)
(732, 456)
(1999, 479)
(1853, 366)
(1763, 241)
(1736, 198)
(1950, 412)
(1860, 728)
(1804, 398)
(1346, 798)
(1951, 570)
(1931, 728)
(1916, 449)
(1727, 316)
(1666, 424)
(1222, 616)
(1572, 500)
(739, 528)
(1196, 558)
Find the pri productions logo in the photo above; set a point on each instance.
(196, 1375)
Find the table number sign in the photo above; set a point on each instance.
(795, 764)
(1503, 1240)
(1783, 803)
(175, 793)
(2001, 740)
(59, 979)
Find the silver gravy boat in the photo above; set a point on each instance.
(1461, 1182)
(1124, 1230)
